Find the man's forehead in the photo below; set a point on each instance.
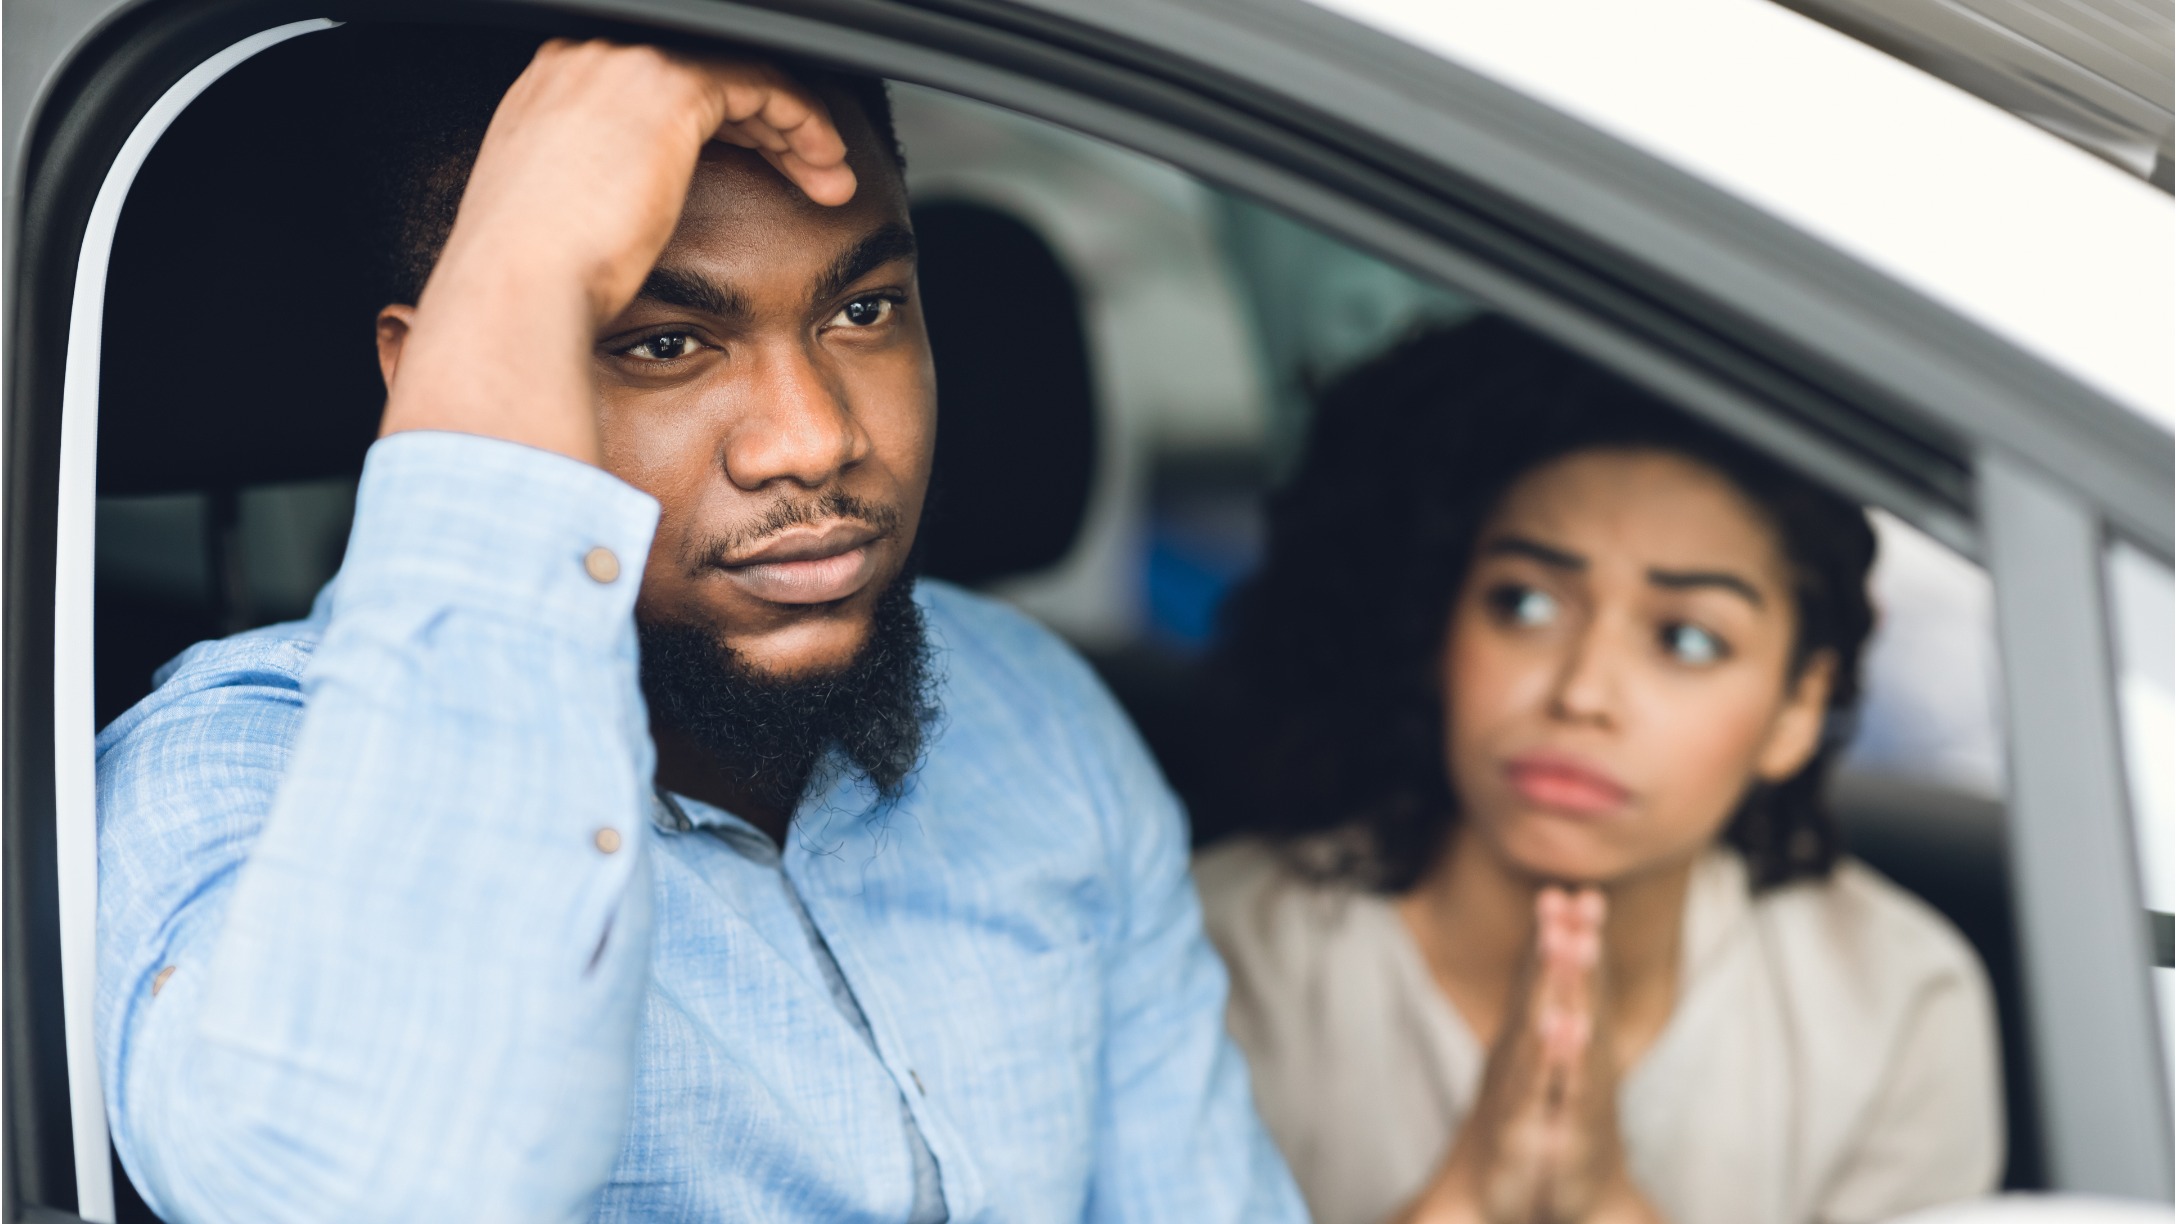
(873, 156)
(744, 247)
(728, 290)
(739, 205)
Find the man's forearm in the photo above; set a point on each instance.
(418, 997)
(422, 1001)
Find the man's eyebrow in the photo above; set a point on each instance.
(693, 291)
(1723, 580)
(876, 248)
(1534, 550)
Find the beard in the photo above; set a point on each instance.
(768, 733)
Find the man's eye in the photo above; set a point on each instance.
(1689, 643)
(1523, 605)
(864, 312)
(664, 346)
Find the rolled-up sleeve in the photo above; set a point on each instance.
(373, 941)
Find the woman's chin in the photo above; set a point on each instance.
(1562, 855)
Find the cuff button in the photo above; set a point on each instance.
(608, 840)
(602, 565)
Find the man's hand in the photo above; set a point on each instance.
(1541, 1145)
(576, 190)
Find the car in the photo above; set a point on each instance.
(1922, 300)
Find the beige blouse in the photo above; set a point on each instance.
(1833, 1055)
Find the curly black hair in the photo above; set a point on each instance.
(1325, 707)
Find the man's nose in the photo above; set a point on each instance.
(796, 422)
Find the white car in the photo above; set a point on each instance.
(1940, 309)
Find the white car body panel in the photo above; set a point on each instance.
(2043, 244)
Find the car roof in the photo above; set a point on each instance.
(2040, 242)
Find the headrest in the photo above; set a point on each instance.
(1016, 417)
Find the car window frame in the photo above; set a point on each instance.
(1975, 442)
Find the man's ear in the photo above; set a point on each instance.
(1796, 733)
(393, 323)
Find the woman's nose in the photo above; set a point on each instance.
(1587, 677)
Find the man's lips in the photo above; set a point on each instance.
(1566, 784)
(807, 565)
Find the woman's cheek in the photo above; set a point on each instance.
(1479, 682)
(1703, 746)
(1491, 689)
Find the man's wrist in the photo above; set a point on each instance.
(500, 346)
(445, 520)
(529, 265)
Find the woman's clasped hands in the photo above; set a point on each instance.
(1541, 1145)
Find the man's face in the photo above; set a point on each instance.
(772, 387)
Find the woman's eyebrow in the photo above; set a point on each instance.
(1533, 550)
(1723, 580)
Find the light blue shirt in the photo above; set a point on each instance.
(438, 952)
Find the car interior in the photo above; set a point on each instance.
(1150, 337)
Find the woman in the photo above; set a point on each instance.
(1542, 916)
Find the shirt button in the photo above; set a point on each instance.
(608, 840)
(159, 983)
(602, 565)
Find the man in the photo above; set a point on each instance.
(401, 918)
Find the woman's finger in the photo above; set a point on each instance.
(1589, 907)
(1559, 943)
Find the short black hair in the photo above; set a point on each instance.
(435, 91)
(1325, 710)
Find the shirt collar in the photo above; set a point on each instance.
(680, 814)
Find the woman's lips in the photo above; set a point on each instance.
(808, 567)
(1566, 785)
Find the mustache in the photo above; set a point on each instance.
(785, 513)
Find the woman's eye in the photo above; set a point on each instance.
(664, 346)
(864, 312)
(1692, 644)
(1523, 605)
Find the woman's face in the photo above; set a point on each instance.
(1617, 667)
